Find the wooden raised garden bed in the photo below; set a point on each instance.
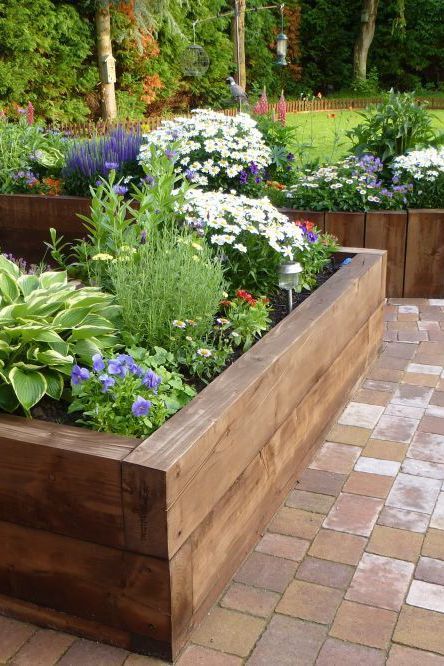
(130, 542)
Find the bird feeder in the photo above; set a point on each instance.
(195, 60)
(282, 43)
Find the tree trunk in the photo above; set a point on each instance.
(104, 48)
(365, 37)
(239, 42)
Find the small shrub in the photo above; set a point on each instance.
(392, 128)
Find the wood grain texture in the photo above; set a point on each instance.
(387, 230)
(63, 479)
(25, 220)
(348, 228)
(231, 420)
(104, 585)
(424, 269)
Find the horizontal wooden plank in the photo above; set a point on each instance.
(111, 587)
(228, 423)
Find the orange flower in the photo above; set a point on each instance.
(54, 186)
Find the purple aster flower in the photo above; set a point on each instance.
(79, 374)
(140, 406)
(170, 154)
(143, 238)
(107, 382)
(151, 380)
(312, 237)
(258, 179)
(120, 189)
(190, 175)
(254, 169)
(243, 177)
(148, 179)
(98, 363)
(110, 166)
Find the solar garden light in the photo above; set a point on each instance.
(288, 274)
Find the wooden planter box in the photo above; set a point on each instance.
(130, 542)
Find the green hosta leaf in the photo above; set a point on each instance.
(52, 278)
(84, 332)
(54, 384)
(85, 349)
(111, 312)
(9, 267)
(29, 387)
(8, 288)
(26, 366)
(70, 318)
(88, 297)
(8, 399)
(28, 283)
(53, 358)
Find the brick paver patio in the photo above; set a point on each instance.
(351, 569)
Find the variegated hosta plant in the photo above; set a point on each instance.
(46, 322)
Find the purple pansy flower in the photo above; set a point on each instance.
(151, 380)
(140, 406)
(79, 374)
(107, 382)
(98, 363)
(115, 367)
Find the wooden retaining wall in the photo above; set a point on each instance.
(414, 240)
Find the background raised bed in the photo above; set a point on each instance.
(131, 542)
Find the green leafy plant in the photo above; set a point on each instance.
(205, 358)
(392, 128)
(247, 318)
(130, 394)
(46, 321)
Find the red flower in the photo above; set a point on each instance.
(246, 296)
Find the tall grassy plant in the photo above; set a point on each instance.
(172, 278)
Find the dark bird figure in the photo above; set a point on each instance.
(237, 92)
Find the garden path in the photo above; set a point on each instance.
(351, 568)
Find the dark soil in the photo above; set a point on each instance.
(57, 411)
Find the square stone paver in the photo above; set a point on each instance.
(385, 450)
(430, 570)
(89, 652)
(287, 641)
(397, 543)
(350, 434)
(13, 635)
(338, 458)
(415, 493)
(365, 625)
(295, 522)
(196, 655)
(325, 572)
(313, 502)
(437, 519)
(371, 485)
(44, 648)
(228, 631)
(406, 656)
(325, 483)
(308, 601)
(248, 599)
(377, 466)
(338, 547)
(405, 411)
(361, 415)
(404, 520)
(370, 397)
(420, 628)
(380, 581)
(421, 380)
(338, 653)
(423, 468)
(395, 428)
(427, 446)
(433, 424)
(282, 545)
(426, 595)
(261, 570)
(354, 513)
(412, 396)
(424, 369)
(433, 545)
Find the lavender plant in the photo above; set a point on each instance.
(92, 159)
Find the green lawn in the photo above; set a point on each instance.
(321, 134)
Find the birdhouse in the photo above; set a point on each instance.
(108, 69)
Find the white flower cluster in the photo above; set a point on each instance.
(210, 145)
(226, 218)
(427, 164)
